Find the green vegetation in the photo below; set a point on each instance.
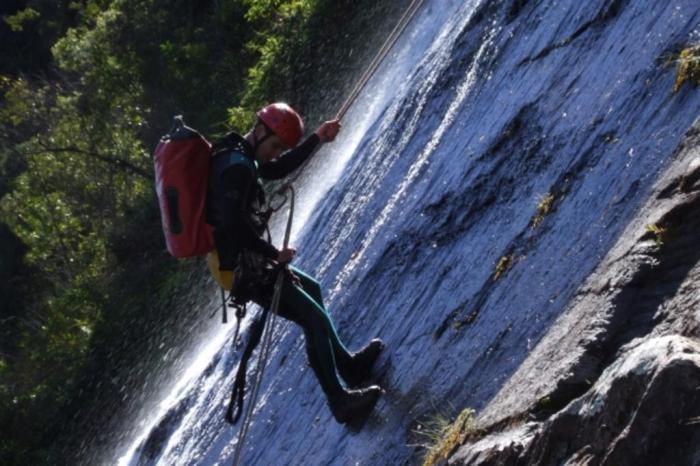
(544, 403)
(660, 233)
(86, 89)
(468, 320)
(443, 437)
(544, 207)
(688, 67)
(504, 263)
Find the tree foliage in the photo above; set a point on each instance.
(86, 89)
(77, 130)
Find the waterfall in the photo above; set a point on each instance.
(419, 222)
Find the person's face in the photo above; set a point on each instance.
(270, 149)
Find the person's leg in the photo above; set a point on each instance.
(310, 285)
(354, 368)
(313, 288)
(298, 306)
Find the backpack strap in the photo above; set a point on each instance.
(225, 160)
(222, 160)
(237, 158)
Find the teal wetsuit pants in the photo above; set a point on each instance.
(303, 304)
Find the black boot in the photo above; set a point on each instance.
(359, 367)
(351, 405)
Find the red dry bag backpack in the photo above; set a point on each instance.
(182, 170)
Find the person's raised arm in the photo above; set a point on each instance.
(292, 159)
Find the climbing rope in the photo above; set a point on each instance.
(379, 57)
(268, 328)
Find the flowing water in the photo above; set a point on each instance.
(479, 113)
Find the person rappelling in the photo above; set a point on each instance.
(235, 210)
(213, 202)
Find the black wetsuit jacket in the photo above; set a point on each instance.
(235, 197)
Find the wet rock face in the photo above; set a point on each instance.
(643, 410)
(616, 381)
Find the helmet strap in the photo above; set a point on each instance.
(257, 142)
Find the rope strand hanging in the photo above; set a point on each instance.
(379, 57)
(266, 339)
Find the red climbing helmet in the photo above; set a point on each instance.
(284, 121)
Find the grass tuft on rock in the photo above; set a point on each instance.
(444, 437)
(544, 207)
(504, 263)
(688, 67)
(661, 234)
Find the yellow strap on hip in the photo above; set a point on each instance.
(223, 277)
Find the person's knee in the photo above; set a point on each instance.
(308, 282)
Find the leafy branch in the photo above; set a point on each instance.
(115, 161)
